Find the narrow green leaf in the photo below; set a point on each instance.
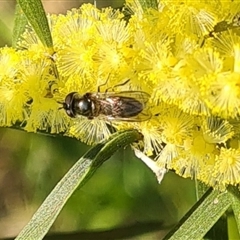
(234, 191)
(6, 37)
(34, 11)
(200, 219)
(201, 188)
(77, 176)
(20, 23)
(149, 4)
(233, 232)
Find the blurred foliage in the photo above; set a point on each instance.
(121, 193)
(7, 13)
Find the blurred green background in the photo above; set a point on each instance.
(123, 195)
(122, 192)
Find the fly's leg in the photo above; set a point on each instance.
(112, 88)
(118, 85)
(98, 89)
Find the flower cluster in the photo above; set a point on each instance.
(184, 54)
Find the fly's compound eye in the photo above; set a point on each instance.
(69, 103)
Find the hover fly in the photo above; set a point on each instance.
(118, 106)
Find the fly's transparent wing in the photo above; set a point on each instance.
(124, 106)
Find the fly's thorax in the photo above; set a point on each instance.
(82, 105)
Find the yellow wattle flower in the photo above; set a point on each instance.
(178, 53)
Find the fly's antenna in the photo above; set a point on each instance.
(63, 105)
(60, 102)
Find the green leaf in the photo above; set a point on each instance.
(6, 37)
(77, 176)
(20, 23)
(34, 11)
(204, 214)
(235, 194)
(149, 4)
(201, 188)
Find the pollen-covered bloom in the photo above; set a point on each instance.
(183, 56)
